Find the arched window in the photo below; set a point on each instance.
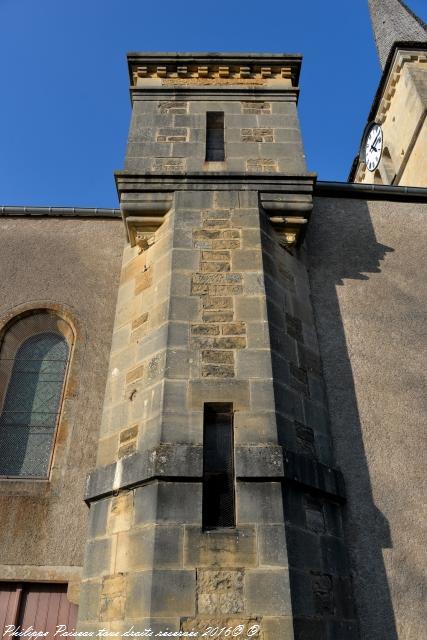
(33, 369)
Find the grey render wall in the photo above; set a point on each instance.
(367, 271)
(73, 266)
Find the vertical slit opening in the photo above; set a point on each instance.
(218, 467)
(215, 136)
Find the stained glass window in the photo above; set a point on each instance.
(31, 406)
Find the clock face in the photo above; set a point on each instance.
(373, 147)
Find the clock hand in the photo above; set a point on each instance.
(373, 146)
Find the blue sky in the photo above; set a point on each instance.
(65, 108)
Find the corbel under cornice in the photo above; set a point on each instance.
(145, 200)
(143, 213)
(289, 213)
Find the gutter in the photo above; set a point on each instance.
(60, 212)
(370, 192)
(321, 189)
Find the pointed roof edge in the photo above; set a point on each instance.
(414, 15)
(393, 21)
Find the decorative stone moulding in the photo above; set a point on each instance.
(143, 214)
(401, 58)
(211, 72)
(289, 214)
(214, 69)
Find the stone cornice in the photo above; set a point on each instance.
(146, 199)
(127, 181)
(184, 69)
(184, 463)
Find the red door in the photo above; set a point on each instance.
(42, 606)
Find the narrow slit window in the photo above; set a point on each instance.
(218, 468)
(215, 136)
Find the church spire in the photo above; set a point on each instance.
(393, 21)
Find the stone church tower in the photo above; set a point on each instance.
(212, 421)
(215, 501)
(400, 105)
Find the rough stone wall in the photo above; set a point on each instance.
(236, 326)
(170, 135)
(71, 266)
(368, 280)
(148, 560)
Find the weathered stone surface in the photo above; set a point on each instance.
(280, 627)
(261, 164)
(97, 558)
(128, 434)
(304, 549)
(154, 545)
(259, 502)
(221, 548)
(112, 600)
(218, 357)
(217, 316)
(89, 601)
(272, 545)
(257, 134)
(235, 391)
(267, 592)
(209, 302)
(160, 593)
(121, 512)
(126, 449)
(238, 624)
(173, 107)
(322, 589)
(98, 517)
(143, 281)
(172, 134)
(219, 591)
(263, 461)
(256, 106)
(168, 502)
(224, 342)
(217, 371)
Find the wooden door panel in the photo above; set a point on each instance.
(10, 594)
(41, 606)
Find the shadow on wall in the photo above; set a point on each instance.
(342, 245)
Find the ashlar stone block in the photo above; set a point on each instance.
(272, 545)
(267, 592)
(169, 502)
(220, 591)
(161, 593)
(221, 548)
(157, 546)
(259, 502)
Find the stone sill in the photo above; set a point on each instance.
(28, 487)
